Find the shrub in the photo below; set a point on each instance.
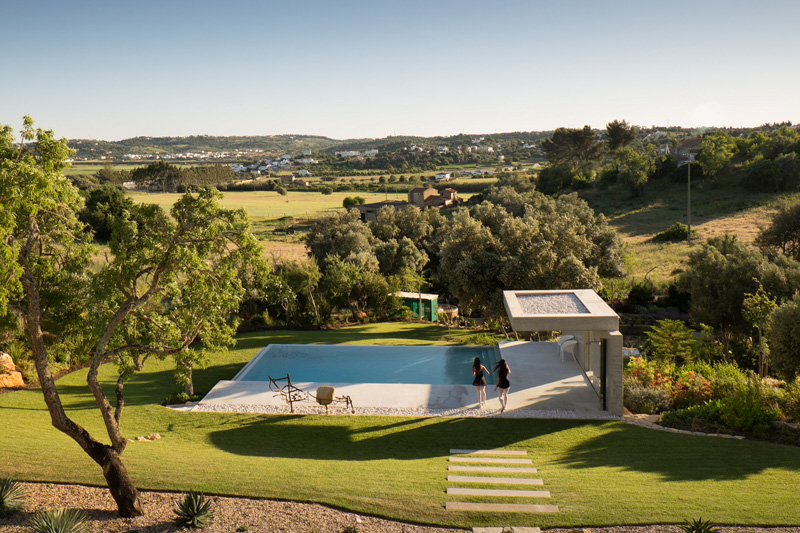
(725, 378)
(670, 340)
(699, 526)
(675, 233)
(59, 521)
(690, 388)
(649, 373)
(281, 190)
(555, 178)
(181, 397)
(480, 339)
(326, 190)
(194, 511)
(752, 408)
(647, 400)
(790, 402)
(706, 418)
(12, 497)
(641, 294)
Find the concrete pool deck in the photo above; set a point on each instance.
(540, 381)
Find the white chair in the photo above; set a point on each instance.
(566, 343)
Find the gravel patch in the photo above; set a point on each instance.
(258, 516)
(551, 304)
(464, 412)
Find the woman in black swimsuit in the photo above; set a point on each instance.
(478, 370)
(502, 383)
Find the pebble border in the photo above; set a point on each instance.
(464, 412)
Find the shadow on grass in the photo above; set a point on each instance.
(373, 438)
(679, 457)
(613, 445)
(382, 332)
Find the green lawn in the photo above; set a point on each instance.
(597, 472)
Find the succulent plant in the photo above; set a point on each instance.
(194, 511)
(12, 497)
(59, 521)
(699, 526)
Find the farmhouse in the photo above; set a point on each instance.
(419, 197)
(444, 176)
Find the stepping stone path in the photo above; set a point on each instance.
(513, 461)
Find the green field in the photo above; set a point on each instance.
(597, 472)
(271, 205)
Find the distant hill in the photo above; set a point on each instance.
(143, 146)
(278, 144)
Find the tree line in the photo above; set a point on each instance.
(756, 159)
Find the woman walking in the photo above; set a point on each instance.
(502, 383)
(478, 370)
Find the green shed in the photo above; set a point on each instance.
(412, 300)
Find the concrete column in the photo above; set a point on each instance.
(613, 393)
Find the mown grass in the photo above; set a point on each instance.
(598, 472)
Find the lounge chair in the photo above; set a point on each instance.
(325, 394)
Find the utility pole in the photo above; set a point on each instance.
(689, 201)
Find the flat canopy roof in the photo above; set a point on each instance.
(558, 310)
(417, 295)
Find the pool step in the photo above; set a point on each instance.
(511, 458)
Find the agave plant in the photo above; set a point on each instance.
(59, 521)
(699, 526)
(12, 497)
(194, 511)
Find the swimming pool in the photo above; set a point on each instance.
(326, 363)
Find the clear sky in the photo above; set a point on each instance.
(113, 70)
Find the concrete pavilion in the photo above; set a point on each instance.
(594, 328)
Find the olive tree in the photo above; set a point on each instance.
(167, 280)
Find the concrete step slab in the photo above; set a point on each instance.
(488, 452)
(501, 507)
(505, 493)
(491, 460)
(490, 479)
(493, 469)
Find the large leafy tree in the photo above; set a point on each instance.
(716, 151)
(784, 338)
(524, 241)
(722, 272)
(103, 204)
(783, 231)
(168, 280)
(580, 148)
(341, 234)
(635, 167)
(620, 134)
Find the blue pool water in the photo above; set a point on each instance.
(432, 365)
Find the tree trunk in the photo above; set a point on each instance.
(188, 387)
(120, 484)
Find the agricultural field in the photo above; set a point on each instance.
(715, 211)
